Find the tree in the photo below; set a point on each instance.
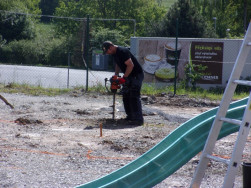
(235, 14)
(143, 11)
(100, 35)
(190, 22)
(32, 6)
(231, 16)
(48, 7)
(13, 23)
(2, 41)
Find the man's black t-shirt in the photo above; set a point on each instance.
(121, 56)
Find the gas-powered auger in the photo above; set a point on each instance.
(115, 84)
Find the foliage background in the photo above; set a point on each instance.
(29, 38)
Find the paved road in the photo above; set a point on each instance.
(50, 77)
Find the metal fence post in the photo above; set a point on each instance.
(69, 64)
(176, 56)
(87, 51)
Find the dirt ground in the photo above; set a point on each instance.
(58, 142)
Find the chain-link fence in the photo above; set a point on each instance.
(65, 52)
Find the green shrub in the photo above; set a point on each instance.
(193, 74)
(33, 52)
(103, 34)
(45, 49)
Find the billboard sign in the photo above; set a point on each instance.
(209, 54)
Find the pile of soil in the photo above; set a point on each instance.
(69, 140)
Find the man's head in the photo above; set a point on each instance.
(106, 47)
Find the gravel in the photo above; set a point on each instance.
(57, 141)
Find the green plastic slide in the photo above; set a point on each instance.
(171, 153)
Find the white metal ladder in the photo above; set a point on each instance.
(244, 124)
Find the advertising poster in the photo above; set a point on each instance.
(157, 58)
(209, 54)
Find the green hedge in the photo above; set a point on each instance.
(34, 52)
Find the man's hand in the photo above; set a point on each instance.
(122, 80)
(125, 82)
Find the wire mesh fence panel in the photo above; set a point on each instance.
(64, 52)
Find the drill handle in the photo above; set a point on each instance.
(106, 80)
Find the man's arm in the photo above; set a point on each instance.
(129, 67)
(117, 69)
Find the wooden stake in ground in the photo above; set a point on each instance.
(6, 102)
(101, 126)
